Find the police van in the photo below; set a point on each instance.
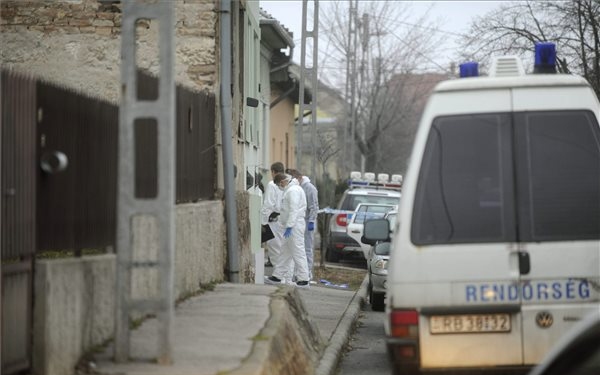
(496, 250)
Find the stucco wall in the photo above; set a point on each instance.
(282, 128)
(201, 250)
(73, 310)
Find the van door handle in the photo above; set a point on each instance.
(524, 262)
(355, 231)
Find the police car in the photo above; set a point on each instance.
(363, 213)
(496, 250)
(363, 188)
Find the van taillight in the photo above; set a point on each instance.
(341, 220)
(404, 323)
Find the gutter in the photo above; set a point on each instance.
(226, 137)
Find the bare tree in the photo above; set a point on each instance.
(326, 149)
(389, 50)
(514, 28)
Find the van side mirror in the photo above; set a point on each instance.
(367, 241)
(376, 230)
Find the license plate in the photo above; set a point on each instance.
(469, 323)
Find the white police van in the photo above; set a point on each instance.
(496, 250)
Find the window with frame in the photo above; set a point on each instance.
(531, 176)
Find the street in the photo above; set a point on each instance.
(366, 352)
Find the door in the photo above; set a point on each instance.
(461, 263)
(558, 174)
(18, 201)
(364, 212)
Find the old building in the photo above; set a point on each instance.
(75, 45)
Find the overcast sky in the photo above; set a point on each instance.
(453, 16)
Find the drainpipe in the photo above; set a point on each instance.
(226, 140)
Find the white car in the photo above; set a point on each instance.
(377, 266)
(339, 243)
(364, 212)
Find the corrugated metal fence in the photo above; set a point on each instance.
(76, 206)
(18, 126)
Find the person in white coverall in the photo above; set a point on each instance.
(312, 209)
(293, 209)
(269, 214)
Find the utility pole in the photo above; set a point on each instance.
(315, 88)
(363, 66)
(350, 92)
(300, 117)
(159, 209)
(314, 34)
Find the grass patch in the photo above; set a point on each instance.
(260, 337)
(335, 275)
(338, 275)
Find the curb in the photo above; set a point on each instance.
(287, 344)
(329, 360)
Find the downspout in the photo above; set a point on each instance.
(226, 140)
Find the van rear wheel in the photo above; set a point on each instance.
(377, 301)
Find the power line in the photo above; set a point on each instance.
(418, 52)
(434, 29)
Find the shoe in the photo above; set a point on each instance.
(272, 280)
(302, 284)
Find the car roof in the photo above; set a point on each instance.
(533, 80)
(367, 191)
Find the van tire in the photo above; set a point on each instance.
(377, 301)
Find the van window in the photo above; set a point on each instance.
(558, 168)
(464, 191)
(367, 212)
(466, 187)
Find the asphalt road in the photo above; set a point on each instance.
(366, 353)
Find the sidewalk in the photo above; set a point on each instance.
(242, 329)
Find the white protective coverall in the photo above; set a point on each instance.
(272, 203)
(293, 255)
(312, 209)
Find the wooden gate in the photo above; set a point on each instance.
(18, 228)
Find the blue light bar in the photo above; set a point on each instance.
(545, 58)
(469, 69)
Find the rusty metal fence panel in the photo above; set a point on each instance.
(196, 165)
(18, 165)
(18, 224)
